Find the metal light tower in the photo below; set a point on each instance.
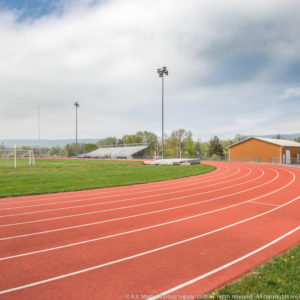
(76, 104)
(39, 125)
(161, 73)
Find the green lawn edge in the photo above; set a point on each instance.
(94, 175)
(278, 278)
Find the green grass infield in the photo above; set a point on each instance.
(59, 175)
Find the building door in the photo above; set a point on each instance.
(288, 156)
(283, 158)
(298, 158)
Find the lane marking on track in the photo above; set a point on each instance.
(145, 252)
(119, 208)
(117, 195)
(263, 203)
(166, 293)
(141, 186)
(162, 210)
(137, 230)
(123, 200)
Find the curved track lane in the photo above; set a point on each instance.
(179, 237)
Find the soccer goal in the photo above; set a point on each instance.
(13, 157)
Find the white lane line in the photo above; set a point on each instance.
(143, 214)
(143, 253)
(140, 229)
(124, 207)
(110, 196)
(166, 293)
(116, 201)
(263, 203)
(131, 231)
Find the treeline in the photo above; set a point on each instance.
(179, 143)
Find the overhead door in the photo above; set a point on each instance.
(288, 156)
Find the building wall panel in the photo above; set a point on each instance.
(255, 150)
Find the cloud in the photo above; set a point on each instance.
(228, 62)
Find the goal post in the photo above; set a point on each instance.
(13, 157)
(31, 161)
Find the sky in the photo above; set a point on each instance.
(234, 67)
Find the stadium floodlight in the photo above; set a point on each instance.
(161, 73)
(76, 104)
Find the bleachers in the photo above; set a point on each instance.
(126, 151)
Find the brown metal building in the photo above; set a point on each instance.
(265, 150)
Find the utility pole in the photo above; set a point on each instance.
(161, 73)
(76, 104)
(39, 124)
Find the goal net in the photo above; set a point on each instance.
(12, 157)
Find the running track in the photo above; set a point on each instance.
(179, 237)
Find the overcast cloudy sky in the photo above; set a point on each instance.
(234, 66)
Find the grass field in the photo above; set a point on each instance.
(279, 278)
(57, 175)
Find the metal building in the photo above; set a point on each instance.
(265, 150)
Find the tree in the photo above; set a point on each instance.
(181, 135)
(170, 152)
(40, 151)
(178, 138)
(238, 138)
(215, 147)
(278, 136)
(69, 150)
(297, 139)
(150, 138)
(189, 146)
(131, 139)
(108, 141)
(54, 151)
(204, 149)
(225, 145)
(198, 149)
(89, 147)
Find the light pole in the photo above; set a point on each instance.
(179, 148)
(161, 73)
(76, 104)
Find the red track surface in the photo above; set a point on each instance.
(183, 237)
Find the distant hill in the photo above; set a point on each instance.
(289, 136)
(46, 143)
(63, 142)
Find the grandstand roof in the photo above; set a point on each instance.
(126, 151)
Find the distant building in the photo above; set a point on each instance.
(265, 150)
